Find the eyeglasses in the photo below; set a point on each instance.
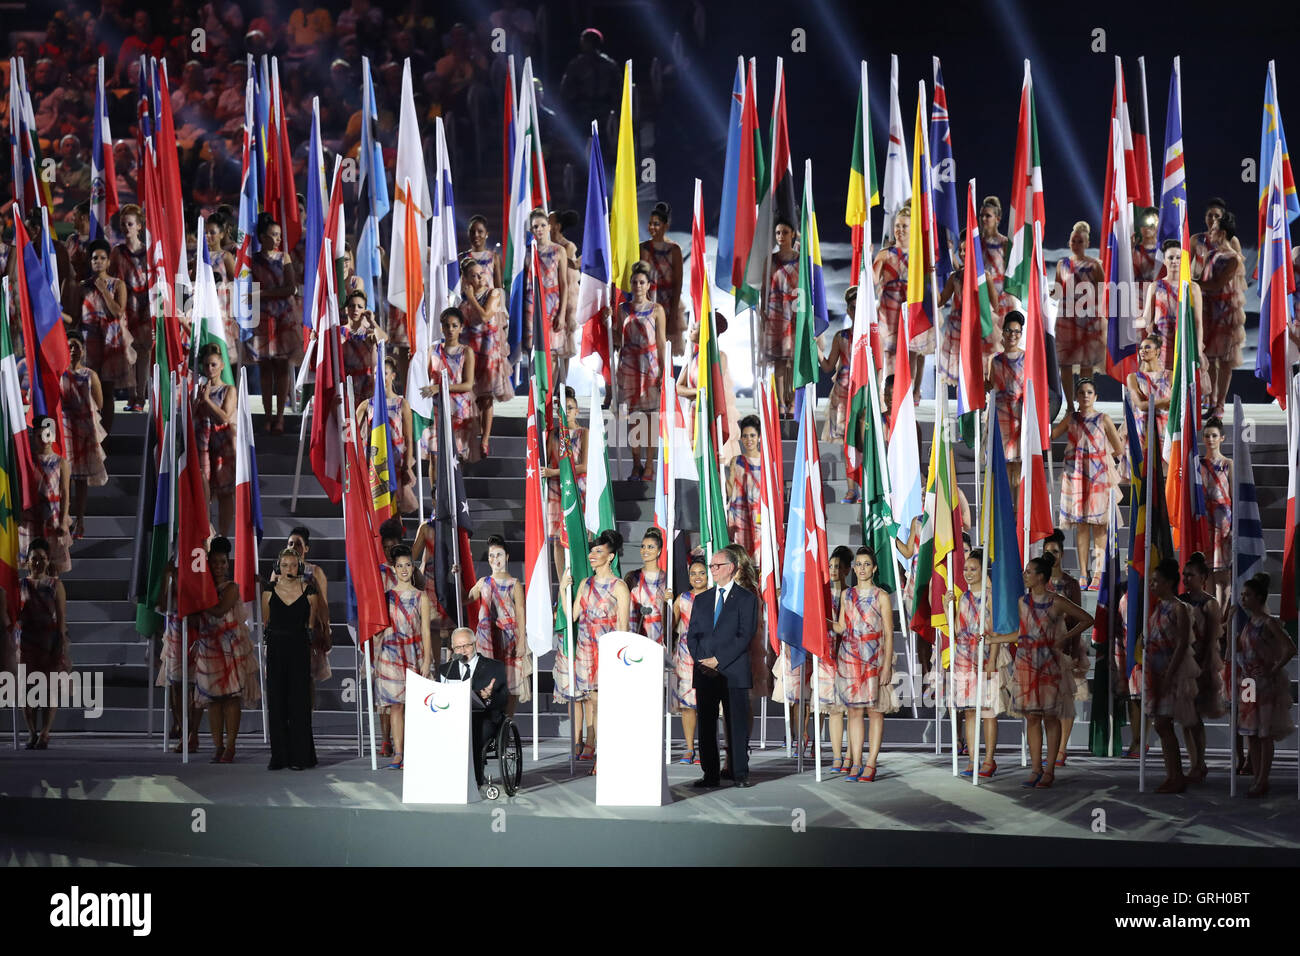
(461, 647)
(720, 564)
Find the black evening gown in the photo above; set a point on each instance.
(288, 683)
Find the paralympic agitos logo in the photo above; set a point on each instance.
(627, 659)
(433, 704)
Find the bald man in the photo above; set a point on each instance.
(487, 683)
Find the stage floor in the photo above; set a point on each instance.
(90, 801)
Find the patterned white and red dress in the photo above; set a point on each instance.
(279, 327)
(1224, 311)
(744, 504)
(216, 444)
(498, 635)
(860, 659)
(1269, 714)
(1164, 319)
(463, 411)
(359, 360)
(43, 520)
(661, 282)
(406, 501)
(1146, 267)
(639, 374)
(1218, 505)
(109, 346)
(551, 259)
(1037, 667)
(837, 406)
(320, 658)
(647, 601)
(778, 321)
(950, 345)
(1211, 699)
(491, 364)
(966, 665)
(1088, 472)
(1008, 377)
(682, 683)
(1156, 387)
(893, 296)
(401, 647)
(225, 663)
(1080, 331)
(133, 269)
(595, 615)
(83, 433)
(1178, 701)
(1074, 656)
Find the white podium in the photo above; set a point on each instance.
(630, 722)
(438, 763)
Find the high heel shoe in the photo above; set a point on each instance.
(838, 767)
(688, 757)
(866, 777)
(993, 768)
(1045, 781)
(588, 753)
(968, 772)
(397, 762)
(855, 774)
(1032, 783)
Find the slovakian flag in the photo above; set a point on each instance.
(195, 589)
(920, 252)
(539, 613)
(1272, 142)
(103, 173)
(1001, 540)
(1141, 190)
(863, 191)
(1035, 505)
(943, 175)
(736, 216)
(805, 587)
(1276, 351)
(248, 498)
(597, 269)
(1026, 193)
(45, 342)
(975, 302)
(1173, 187)
(898, 185)
(1119, 292)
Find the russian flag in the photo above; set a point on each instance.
(597, 268)
(248, 499)
(43, 333)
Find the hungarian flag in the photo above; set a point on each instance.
(1173, 188)
(209, 325)
(45, 342)
(1276, 351)
(363, 549)
(736, 217)
(594, 278)
(898, 186)
(103, 172)
(1000, 537)
(863, 191)
(1119, 292)
(624, 226)
(383, 461)
(194, 586)
(920, 252)
(944, 175)
(940, 533)
(248, 498)
(805, 587)
(1035, 504)
(975, 302)
(1272, 145)
(1184, 492)
(538, 610)
(810, 315)
(326, 444)
(1026, 194)
(710, 419)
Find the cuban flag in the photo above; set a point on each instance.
(1173, 189)
(248, 500)
(1276, 351)
(103, 175)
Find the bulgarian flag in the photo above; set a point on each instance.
(709, 428)
(863, 191)
(539, 612)
(1026, 193)
(209, 325)
(248, 499)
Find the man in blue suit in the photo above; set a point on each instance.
(722, 625)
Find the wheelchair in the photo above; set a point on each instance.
(508, 752)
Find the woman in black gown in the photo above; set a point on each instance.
(290, 608)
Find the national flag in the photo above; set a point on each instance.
(1272, 145)
(507, 146)
(1173, 188)
(711, 429)
(314, 230)
(528, 126)
(326, 450)
(1248, 529)
(442, 239)
(418, 324)
(541, 332)
(625, 230)
(1106, 624)
(805, 588)
(363, 550)
(49, 261)
(1000, 537)
(172, 227)
(539, 613)
(898, 186)
(943, 179)
(597, 270)
(1120, 117)
(1040, 339)
(810, 315)
(411, 199)
(30, 189)
(599, 512)
(195, 589)
(518, 246)
(246, 241)
(1276, 352)
(1141, 191)
(262, 118)
(248, 498)
(452, 528)
(1119, 292)
(1150, 541)
(771, 513)
(1026, 193)
(574, 534)
(940, 532)
(1035, 510)
(1291, 527)
(154, 558)
(103, 172)
(423, 314)
(971, 397)
(736, 217)
(879, 529)
(775, 198)
(209, 326)
(677, 493)
(326, 266)
(45, 342)
(904, 451)
(372, 182)
(1183, 490)
(287, 198)
(16, 476)
(383, 474)
(775, 452)
(862, 374)
(863, 191)
(920, 253)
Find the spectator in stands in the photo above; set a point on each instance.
(308, 29)
(43, 634)
(72, 175)
(225, 669)
(218, 176)
(78, 240)
(362, 22)
(142, 41)
(56, 46)
(462, 65)
(520, 27)
(83, 435)
(591, 81)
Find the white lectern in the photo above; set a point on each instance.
(438, 763)
(630, 722)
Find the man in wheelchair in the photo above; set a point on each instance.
(488, 691)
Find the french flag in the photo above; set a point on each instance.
(248, 500)
(597, 268)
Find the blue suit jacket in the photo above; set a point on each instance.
(729, 640)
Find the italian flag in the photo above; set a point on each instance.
(1026, 193)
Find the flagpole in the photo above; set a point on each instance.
(1027, 492)
(185, 710)
(419, 474)
(1232, 623)
(1153, 447)
(574, 709)
(665, 476)
(979, 657)
(261, 647)
(140, 499)
(297, 469)
(451, 479)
